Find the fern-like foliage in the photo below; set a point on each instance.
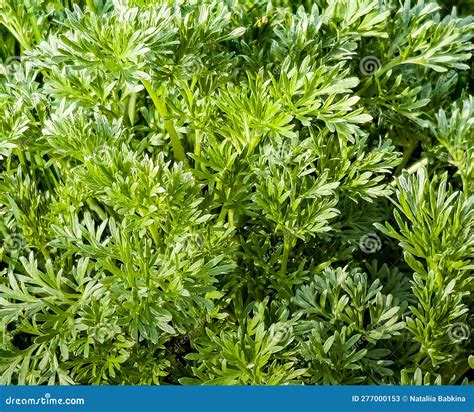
(236, 192)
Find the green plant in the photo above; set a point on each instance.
(236, 192)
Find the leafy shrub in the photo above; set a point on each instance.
(236, 192)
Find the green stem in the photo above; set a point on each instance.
(45, 253)
(131, 108)
(52, 174)
(284, 261)
(110, 212)
(155, 235)
(412, 169)
(197, 147)
(91, 5)
(218, 187)
(230, 215)
(465, 183)
(160, 105)
(96, 208)
(222, 214)
(21, 157)
(406, 156)
(36, 30)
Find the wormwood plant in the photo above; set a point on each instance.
(236, 192)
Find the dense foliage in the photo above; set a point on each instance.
(236, 192)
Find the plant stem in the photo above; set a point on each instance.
(218, 187)
(230, 215)
(155, 235)
(406, 157)
(21, 157)
(197, 147)
(45, 252)
(36, 30)
(131, 108)
(160, 105)
(412, 169)
(96, 208)
(465, 183)
(222, 214)
(284, 261)
(91, 5)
